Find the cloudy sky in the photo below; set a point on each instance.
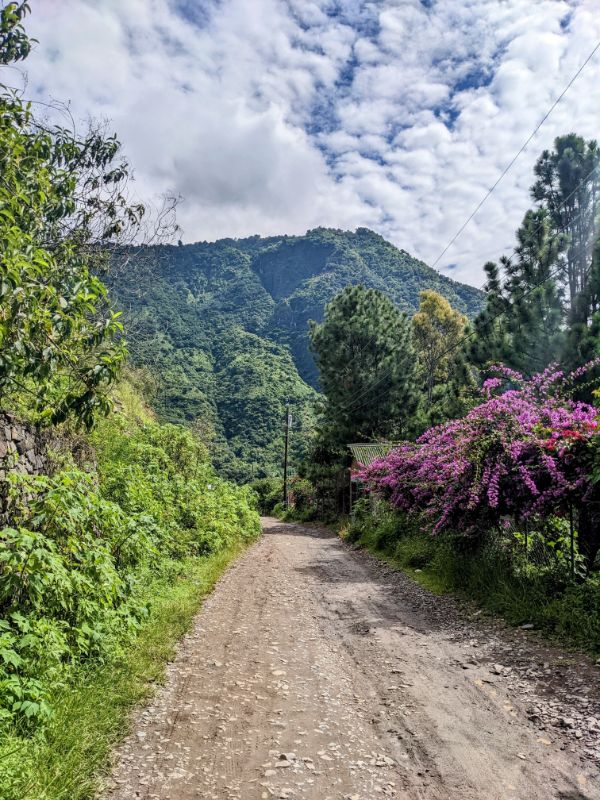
(275, 116)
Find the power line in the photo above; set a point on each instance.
(459, 342)
(469, 335)
(516, 156)
(505, 171)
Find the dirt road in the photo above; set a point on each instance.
(315, 672)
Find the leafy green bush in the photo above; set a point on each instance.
(82, 543)
(279, 510)
(66, 585)
(66, 757)
(302, 494)
(376, 520)
(164, 471)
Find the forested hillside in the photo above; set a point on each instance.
(224, 325)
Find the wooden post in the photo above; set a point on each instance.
(572, 535)
(350, 494)
(285, 456)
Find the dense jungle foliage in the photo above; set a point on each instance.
(88, 540)
(225, 326)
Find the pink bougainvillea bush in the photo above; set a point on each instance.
(522, 452)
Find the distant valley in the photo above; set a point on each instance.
(224, 327)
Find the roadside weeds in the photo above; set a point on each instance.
(92, 715)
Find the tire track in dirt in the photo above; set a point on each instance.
(314, 672)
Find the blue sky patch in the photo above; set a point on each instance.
(198, 12)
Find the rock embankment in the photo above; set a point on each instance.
(23, 449)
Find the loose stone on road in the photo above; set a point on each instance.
(315, 672)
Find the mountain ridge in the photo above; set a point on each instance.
(217, 320)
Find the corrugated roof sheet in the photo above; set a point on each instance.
(367, 453)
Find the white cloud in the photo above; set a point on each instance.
(273, 116)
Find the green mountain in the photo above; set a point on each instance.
(224, 327)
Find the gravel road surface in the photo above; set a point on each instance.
(315, 672)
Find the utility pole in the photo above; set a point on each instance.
(288, 422)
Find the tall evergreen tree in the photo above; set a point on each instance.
(367, 366)
(534, 321)
(568, 186)
(541, 302)
(522, 324)
(491, 342)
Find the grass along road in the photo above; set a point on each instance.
(314, 671)
(67, 761)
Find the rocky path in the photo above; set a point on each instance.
(315, 672)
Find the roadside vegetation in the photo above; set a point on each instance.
(102, 570)
(488, 483)
(107, 551)
(518, 581)
(68, 759)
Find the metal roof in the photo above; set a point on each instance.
(365, 454)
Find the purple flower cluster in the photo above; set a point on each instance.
(520, 453)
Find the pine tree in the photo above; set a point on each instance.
(541, 303)
(491, 341)
(568, 186)
(536, 312)
(522, 323)
(367, 367)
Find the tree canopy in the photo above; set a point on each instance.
(61, 199)
(367, 366)
(437, 329)
(541, 300)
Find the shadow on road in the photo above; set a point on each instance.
(394, 599)
(275, 526)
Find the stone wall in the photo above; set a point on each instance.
(22, 449)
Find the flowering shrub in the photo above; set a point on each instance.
(521, 453)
